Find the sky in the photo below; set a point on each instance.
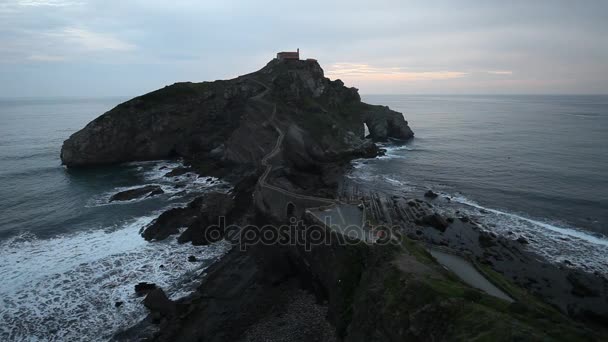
(91, 48)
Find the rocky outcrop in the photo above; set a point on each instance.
(384, 123)
(209, 227)
(131, 194)
(229, 120)
(169, 222)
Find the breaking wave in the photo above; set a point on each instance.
(65, 288)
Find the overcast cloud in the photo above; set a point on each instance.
(121, 47)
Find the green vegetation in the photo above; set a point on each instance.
(405, 294)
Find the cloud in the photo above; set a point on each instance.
(50, 3)
(91, 41)
(501, 72)
(368, 72)
(46, 58)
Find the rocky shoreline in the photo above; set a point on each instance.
(284, 137)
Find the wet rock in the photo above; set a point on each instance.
(118, 304)
(430, 194)
(522, 240)
(178, 171)
(158, 303)
(192, 258)
(170, 221)
(156, 192)
(131, 194)
(144, 288)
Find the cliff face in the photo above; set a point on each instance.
(230, 120)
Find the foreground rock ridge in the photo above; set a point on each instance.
(283, 137)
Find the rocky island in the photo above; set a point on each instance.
(339, 262)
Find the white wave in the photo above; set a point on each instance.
(154, 173)
(395, 151)
(555, 242)
(393, 181)
(65, 288)
(561, 230)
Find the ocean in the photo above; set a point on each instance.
(533, 165)
(529, 165)
(67, 255)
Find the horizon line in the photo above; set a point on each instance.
(84, 97)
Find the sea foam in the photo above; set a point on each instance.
(65, 288)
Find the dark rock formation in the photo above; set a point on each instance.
(436, 221)
(384, 123)
(159, 304)
(144, 288)
(147, 191)
(228, 120)
(430, 194)
(178, 171)
(170, 221)
(209, 226)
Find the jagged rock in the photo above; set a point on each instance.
(178, 171)
(436, 221)
(384, 123)
(209, 226)
(522, 240)
(430, 194)
(131, 194)
(144, 288)
(158, 303)
(192, 258)
(118, 304)
(170, 221)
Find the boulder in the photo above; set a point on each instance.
(430, 194)
(169, 222)
(131, 194)
(144, 288)
(158, 303)
(178, 171)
